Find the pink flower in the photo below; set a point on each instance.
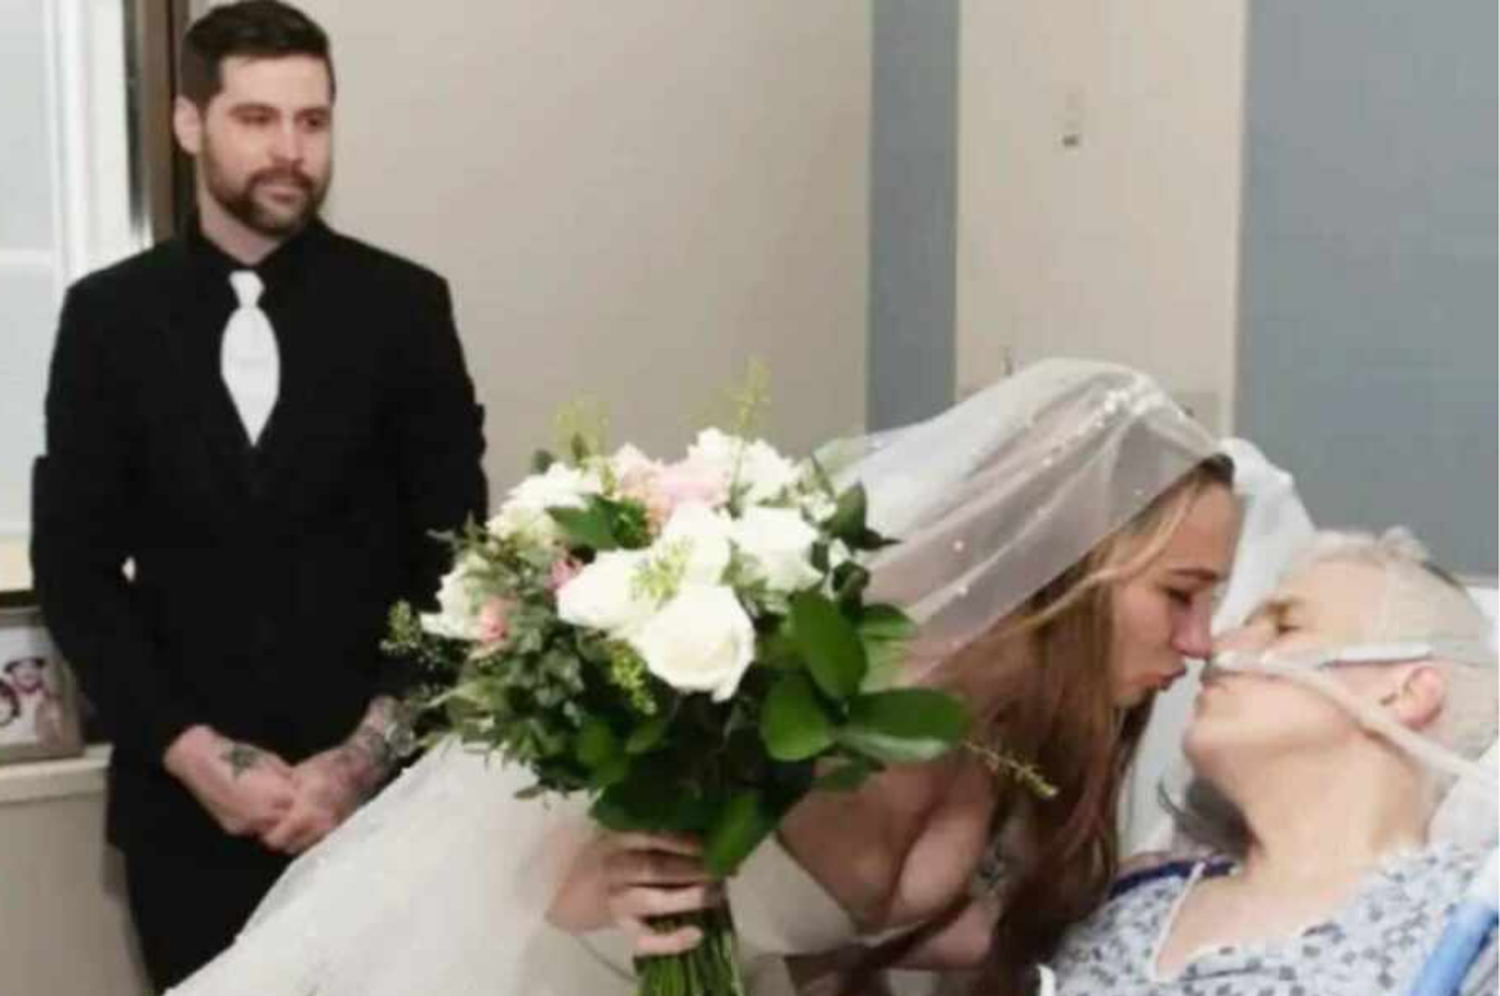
(494, 622)
(686, 482)
(564, 569)
(639, 482)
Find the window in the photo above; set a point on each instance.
(66, 207)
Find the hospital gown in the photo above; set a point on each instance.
(1375, 944)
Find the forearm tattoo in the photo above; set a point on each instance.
(372, 743)
(240, 758)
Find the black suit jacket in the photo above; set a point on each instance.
(262, 576)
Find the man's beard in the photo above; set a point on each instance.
(240, 203)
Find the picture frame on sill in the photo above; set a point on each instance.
(40, 712)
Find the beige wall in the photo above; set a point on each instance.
(64, 929)
(1125, 246)
(630, 200)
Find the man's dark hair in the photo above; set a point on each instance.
(261, 29)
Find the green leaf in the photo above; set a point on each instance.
(835, 656)
(848, 520)
(869, 541)
(906, 725)
(580, 448)
(736, 832)
(629, 523)
(649, 734)
(586, 527)
(886, 632)
(819, 557)
(793, 723)
(652, 797)
(614, 811)
(778, 648)
(612, 772)
(849, 583)
(541, 460)
(847, 776)
(597, 745)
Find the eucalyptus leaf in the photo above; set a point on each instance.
(905, 725)
(793, 723)
(828, 642)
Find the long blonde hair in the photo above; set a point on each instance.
(1052, 705)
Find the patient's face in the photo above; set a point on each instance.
(1241, 715)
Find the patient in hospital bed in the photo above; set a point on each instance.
(1330, 730)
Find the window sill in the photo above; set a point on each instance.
(36, 781)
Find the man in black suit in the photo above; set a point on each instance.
(267, 420)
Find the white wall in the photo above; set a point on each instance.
(1123, 247)
(630, 200)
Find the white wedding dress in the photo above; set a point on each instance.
(439, 886)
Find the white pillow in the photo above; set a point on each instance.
(1469, 815)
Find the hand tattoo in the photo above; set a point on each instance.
(240, 758)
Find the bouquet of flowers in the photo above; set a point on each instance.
(686, 642)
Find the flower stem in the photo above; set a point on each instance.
(710, 969)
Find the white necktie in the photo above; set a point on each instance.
(249, 361)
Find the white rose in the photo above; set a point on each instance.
(779, 543)
(459, 602)
(628, 459)
(707, 535)
(522, 522)
(604, 594)
(817, 506)
(701, 641)
(561, 486)
(752, 465)
(766, 473)
(716, 449)
(524, 513)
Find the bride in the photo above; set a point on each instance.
(1063, 535)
